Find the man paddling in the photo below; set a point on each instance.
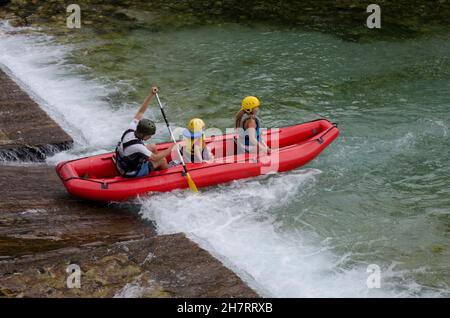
(133, 157)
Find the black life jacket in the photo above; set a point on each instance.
(129, 166)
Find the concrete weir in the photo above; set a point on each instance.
(43, 230)
(26, 131)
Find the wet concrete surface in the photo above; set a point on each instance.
(43, 230)
(26, 131)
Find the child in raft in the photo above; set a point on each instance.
(194, 150)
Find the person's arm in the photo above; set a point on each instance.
(269, 150)
(145, 104)
(209, 156)
(251, 130)
(161, 154)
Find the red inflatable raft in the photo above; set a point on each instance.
(96, 177)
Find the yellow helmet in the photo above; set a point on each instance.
(250, 102)
(196, 128)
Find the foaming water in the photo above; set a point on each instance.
(238, 223)
(80, 106)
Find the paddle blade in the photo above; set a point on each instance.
(191, 183)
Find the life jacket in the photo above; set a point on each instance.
(243, 138)
(190, 143)
(129, 166)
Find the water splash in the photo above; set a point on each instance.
(238, 223)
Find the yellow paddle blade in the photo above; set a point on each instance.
(191, 183)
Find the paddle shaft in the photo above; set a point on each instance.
(171, 133)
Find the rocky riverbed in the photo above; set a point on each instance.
(344, 18)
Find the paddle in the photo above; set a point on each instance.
(190, 182)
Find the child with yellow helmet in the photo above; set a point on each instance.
(195, 150)
(248, 126)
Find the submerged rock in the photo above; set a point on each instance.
(344, 18)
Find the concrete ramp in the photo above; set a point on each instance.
(26, 131)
